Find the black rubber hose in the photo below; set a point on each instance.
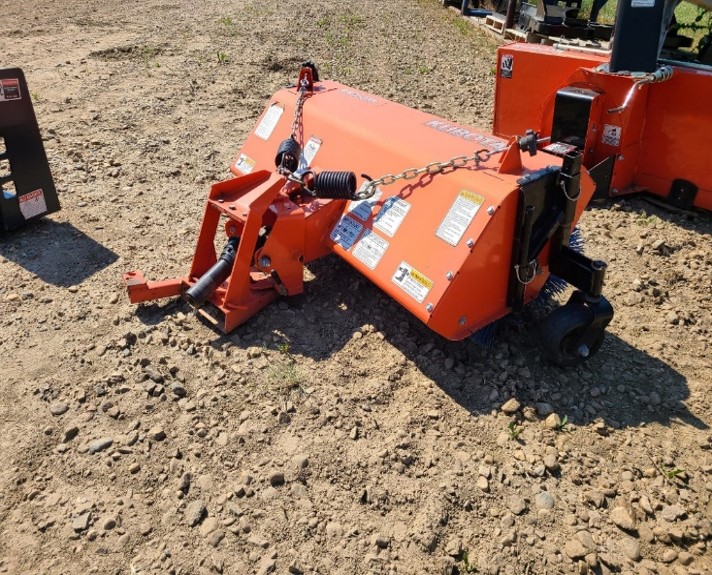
(288, 155)
(335, 185)
(216, 275)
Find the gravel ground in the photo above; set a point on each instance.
(320, 437)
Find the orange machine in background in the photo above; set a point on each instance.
(637, 131)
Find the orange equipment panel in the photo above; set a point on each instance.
(440, 245)
(660, 140)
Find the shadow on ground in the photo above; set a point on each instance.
(615, 386)
(56, 252)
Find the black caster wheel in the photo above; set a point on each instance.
(561, 333)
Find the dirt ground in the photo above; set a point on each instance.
(323, 436)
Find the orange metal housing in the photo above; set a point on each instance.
(441, 245)
(665, 132)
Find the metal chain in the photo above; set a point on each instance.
(431, 169)
(298, 109)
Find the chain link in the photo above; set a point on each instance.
(479, 157)
(298, 109)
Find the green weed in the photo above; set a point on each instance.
(514, 430)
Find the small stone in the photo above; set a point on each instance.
(544, 500)
(517, 505)
(551, 462)
(544, 409)
(70, 433)
(631, 548)
(109, 524)
(208, 526)
(511, 406)
(195, 512)
(553, 421)
(354, 434)
(58, 408)
(623, 519)
(100, 444)
(276, 479)
(574, 549)
(672, 513)
(178, 389)
(654, 398)
(216, 537)
(156, 433)
(134, 468)
(81, 522)
(669, 556)
(483, 483)
(145, 529)
(380, 540)
(685, 558)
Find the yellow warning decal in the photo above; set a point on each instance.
(472, 196)
(412, 282)
(421, 279)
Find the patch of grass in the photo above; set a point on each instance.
(562, 425)
(465, 565)
(226, 21)
(514, 430)
(223, 58)
(671, 473)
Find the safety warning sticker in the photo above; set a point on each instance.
(310, 150)
(412, 282)
(269, 121)
(459, 217)
(362, 208)
(506, 66)
(391, 216)
(10, 89)
(370, 249)
(642, 3)
(345, 232)
(611, 135)
(33, 204)
(245, 164)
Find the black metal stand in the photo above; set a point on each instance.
(27, 190)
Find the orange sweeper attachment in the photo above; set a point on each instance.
(464, 228)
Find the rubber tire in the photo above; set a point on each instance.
(562, 327)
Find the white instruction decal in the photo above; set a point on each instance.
(412, 282)
(10, 89)
(643, 3)
(345, 232)
(362, 208)
(370, 249)
(269, 121)
(33, 204)
(245, 164)
(459, 217)
(391, 216)
(611, 135)
(310, 150)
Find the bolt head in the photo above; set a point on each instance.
(265, 261)
(470, 243)
(449, 276)
(429, 308)
(491, 210)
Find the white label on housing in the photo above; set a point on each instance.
(459, 217)
(391, 216)
(370, 249)
(269, 121)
